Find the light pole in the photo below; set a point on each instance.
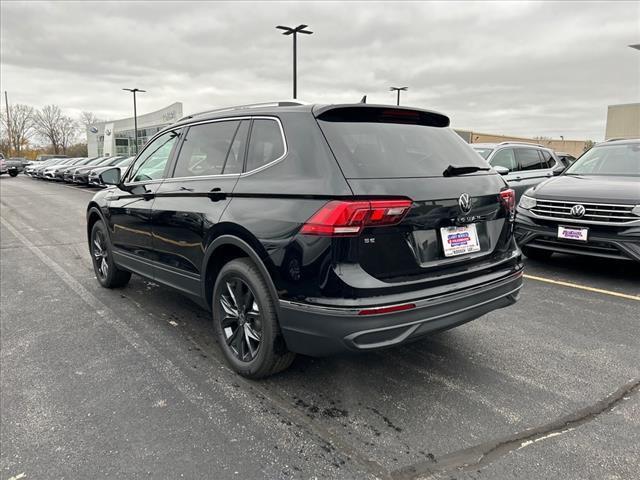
(398, 89)
(135, 114)
(295, 31)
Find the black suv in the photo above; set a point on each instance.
(592, 209)
(312, 229)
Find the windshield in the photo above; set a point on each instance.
(396, 150)
(613, 160)
(484, 152)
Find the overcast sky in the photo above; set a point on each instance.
(541, 68)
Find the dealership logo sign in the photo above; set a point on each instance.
(578, 211)
(107, 132)
(464, 202)
(168, 116)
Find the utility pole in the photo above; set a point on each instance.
(135, 114)
(398, 89)
(6, 103)
(294, 31)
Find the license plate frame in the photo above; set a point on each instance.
(460, 240)
(577, 234)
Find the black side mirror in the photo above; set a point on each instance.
(501, 170)
(110, 176)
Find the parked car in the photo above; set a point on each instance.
(38, 170)
(15, 165)
(312, 229)
(566, 158)
(81, 175)
(67, 174)
(522, 164)
(49, 172)
(45, 172)
(592, 209)
(3, 166)
(58, 171)
(94, 174)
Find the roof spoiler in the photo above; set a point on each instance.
(362, 112)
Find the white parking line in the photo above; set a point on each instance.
(584, 287)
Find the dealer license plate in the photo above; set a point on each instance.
(459, 240)
(573, 233)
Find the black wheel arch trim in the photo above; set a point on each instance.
(95, 208)
(251, 253)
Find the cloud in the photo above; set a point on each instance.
(534, 68)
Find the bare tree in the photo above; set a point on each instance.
(21, 126)
(47, 123)
(67, 132)
(89, 118)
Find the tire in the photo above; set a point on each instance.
(13, 173)
(536, 253)
(107, 273)
(250, 337)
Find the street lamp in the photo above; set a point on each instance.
(135, 114)
(295, 31)
(398, 89)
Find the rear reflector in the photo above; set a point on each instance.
(394, 308)
(508, 199)
(349, 218)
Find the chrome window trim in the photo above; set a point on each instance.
(251, 172)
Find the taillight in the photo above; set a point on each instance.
(508, 199)
(349, 218)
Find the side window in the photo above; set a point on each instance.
(151, 163)
(528, 159)
(235, 159)
(504, 158)
(205, 149)
(265, 145)
(547, 159)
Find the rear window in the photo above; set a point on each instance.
(394, 150)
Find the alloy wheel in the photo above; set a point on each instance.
(100, 254)
(241, 320)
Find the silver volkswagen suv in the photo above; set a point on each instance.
(523, 165)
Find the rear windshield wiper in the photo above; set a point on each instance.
(452, 171)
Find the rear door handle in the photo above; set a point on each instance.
(148, 196)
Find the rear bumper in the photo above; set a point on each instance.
(318, 331)
(603, 243)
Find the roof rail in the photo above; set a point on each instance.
(521, 143)
(281, 103)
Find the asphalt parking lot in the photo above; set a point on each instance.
(130, 383)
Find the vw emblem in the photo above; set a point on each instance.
(465, 203)
(577, 211)
(107, 132)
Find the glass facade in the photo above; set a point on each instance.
(125, 143)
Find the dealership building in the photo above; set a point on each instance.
(623, 121)
(116, 137)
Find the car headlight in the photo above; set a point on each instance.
(636, 210)
(527, 202)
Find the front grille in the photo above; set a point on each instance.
(598, 249)
(603, 213)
